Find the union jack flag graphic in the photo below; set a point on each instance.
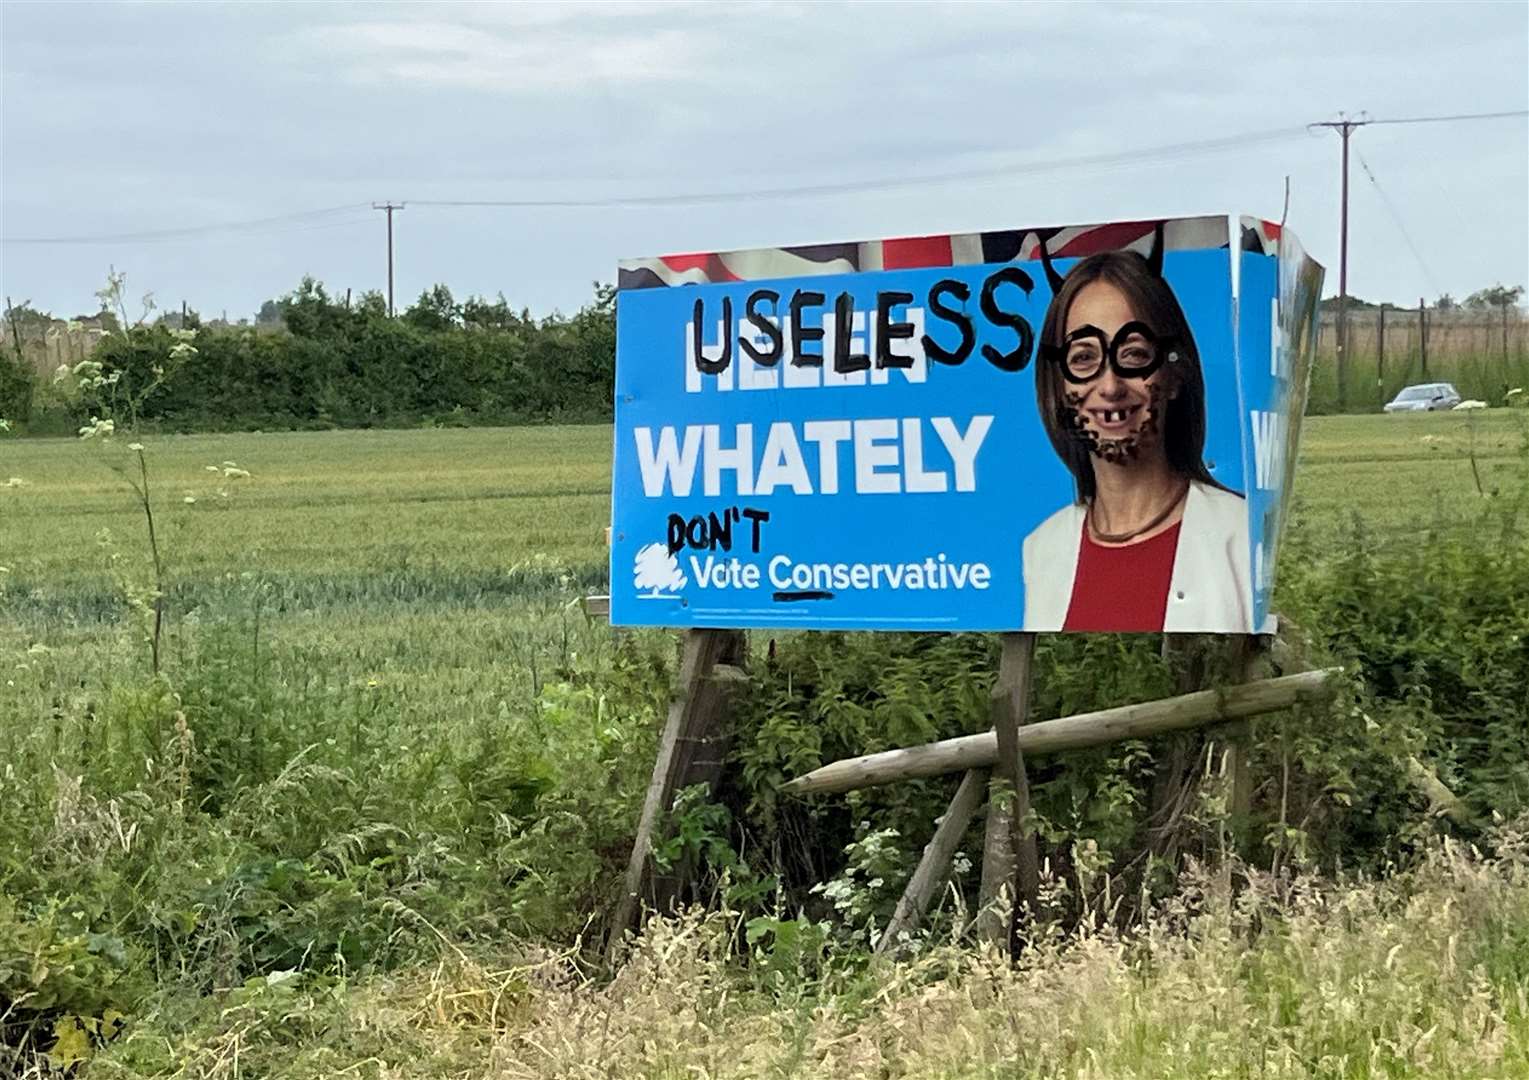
(956, 249)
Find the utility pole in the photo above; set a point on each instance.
(390, 207)
(1345, 127)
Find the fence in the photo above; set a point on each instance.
(44, 348)
(1483, 353)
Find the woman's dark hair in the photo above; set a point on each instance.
(1153, 302)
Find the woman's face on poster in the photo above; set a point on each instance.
(1117, 374)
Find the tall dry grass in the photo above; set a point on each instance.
(1422, 974)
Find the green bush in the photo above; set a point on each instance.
(16, 388)
(331, 365)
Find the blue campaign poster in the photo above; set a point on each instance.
(1046, 429)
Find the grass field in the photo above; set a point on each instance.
(371, 547)
(368, 634)
(330, 511)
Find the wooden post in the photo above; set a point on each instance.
(699, 758)
(10, 317)
(684, 749)
(1174, 766)
(934, 865)
(1506, 374)
(1423, 336)
(1011, 709)
(1380, 356)
(1250, 656)
(995, 904)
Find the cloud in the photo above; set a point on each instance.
(219, 112)
(550, 53)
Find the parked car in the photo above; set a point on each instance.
(1425, 397)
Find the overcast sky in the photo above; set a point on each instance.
(140, 118)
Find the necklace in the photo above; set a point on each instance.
(1120, 538)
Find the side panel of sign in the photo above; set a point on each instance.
(1277, 311)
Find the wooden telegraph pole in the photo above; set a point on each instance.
(1345, 127)
(389, 207)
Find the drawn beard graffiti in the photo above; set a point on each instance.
(1126, 448)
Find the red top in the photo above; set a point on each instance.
(1122, 588)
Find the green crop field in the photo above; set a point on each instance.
(328, 511)
(364, 822)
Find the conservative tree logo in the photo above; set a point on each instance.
(657, 573)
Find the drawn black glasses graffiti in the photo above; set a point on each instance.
(1134, 353)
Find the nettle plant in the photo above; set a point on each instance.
(113, 400)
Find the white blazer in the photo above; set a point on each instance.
(1211, 589)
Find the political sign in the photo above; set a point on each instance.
(1084, 428)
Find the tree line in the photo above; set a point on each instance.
(313, 360)
(1494, 298)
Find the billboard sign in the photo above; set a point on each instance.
(1077, 428)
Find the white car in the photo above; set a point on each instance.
(1425, 397)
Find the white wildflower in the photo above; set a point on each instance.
(136, 447)
(189, 499)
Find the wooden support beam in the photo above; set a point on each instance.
(693, 725)
(995, 903)
(1011, 709)
(934, 866)
(698, 759)
(1251, 656)
(1068, 733)
(1177, 761)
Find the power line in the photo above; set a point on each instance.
(1171, 151)
(1131, 158)
(276, 223)
(1455, 117)
(1396, 219)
